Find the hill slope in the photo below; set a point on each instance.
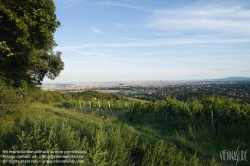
(232, 79)
(110, 139)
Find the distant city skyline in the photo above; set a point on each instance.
(125, 40)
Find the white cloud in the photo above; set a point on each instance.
(207, 19)
(164, 42)
(124, 5)
(99, 55)
(96, 30)
(93, 54)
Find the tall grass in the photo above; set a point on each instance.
(107, 140)
(106, 145)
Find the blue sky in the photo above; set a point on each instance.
(139, 40)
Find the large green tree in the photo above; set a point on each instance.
(27, 30)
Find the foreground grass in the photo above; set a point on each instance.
(113, 139)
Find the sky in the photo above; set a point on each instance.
(142, 40)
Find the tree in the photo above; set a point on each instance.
(27, 30)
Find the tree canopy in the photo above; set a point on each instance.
(27, 30)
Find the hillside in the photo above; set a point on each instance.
(104, 139)
(120, 138)
(232, 79)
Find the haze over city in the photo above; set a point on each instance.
(125, 40)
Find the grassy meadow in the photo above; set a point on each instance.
(118, 139)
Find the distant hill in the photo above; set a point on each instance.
(232, 79)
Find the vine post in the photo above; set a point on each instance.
(109, 107)
(166, 116)
(80, 104)
(212, 121)
(90, 106)
(99, 105)
(84, 105)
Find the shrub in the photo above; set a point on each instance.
(11, 100)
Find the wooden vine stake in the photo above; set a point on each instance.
(84, 106)
(99, 105)
(109, 107)
(166, 117)
(132, 106)
(80, 104)
(212, 122)
(90, 105)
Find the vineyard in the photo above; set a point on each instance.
(118, 130)
(210, 111)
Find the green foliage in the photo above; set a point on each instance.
(104, 142)
(105, 146)
(8, 133)
(47, 97)
(66, 96)
(162, 154)
(57, 96)
(90, 95)
(50, 135)
(108, 147)
(225, 111)
(27, 40)
(43, 97)
(108, 143)
(11, 100)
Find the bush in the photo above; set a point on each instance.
(11, 100)
(48, 134)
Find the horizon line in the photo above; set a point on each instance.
(113, 81)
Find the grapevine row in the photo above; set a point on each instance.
(224, 111)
